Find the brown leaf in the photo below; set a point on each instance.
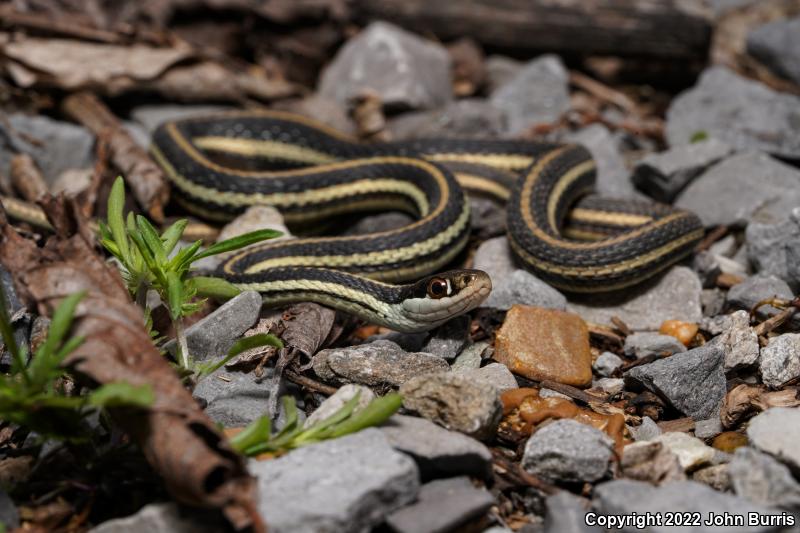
(176, 436)
(307, 326)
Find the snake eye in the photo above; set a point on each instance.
(437, 288)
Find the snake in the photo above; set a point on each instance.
(221, 164)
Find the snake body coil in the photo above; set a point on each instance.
(219, 165)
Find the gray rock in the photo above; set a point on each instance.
(566, 513)
(747, 294)
(469, 118)
(613, 177)
(523, 288)
(495, 374)
(744, 113)
(320, 109)
(607, 363)
(739, 341)
(712, 302)
(692, 453)
(347, 484)
(450, 338)
(748, 187)
(164, 518)
(500, 70)
(774, 249)
(693, 382)
(566, 450)
(402, 69)
(456, 402)
(442, 505)
(708, 429)
(59, 146)
(675, 295)
(761, 479)
(471, 357)
(410, 342)
(780, 360)
(375, 363)
(235, 399)
(214, 334)
(9, 515)
(715, 476)
(337, 400)
(537, 94)
(776, 431)
(647, 430)
(777, 45)
(438, 452)
(625, 496)
(662, 176)
(644, 344)
(151, 116)
(380, 222)
(609, 385)
(707, 267)
(488, 218)
(650, 461)
(494, 257)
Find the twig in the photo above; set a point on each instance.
(572, 392)
(143, 176)
(27, 178)
(713, 236)
(63, 25)
(309, 383)
(602, 91)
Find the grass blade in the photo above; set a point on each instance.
(216, 288)
(116, 221)
(241, 241)
(172, 235)
(257, 431)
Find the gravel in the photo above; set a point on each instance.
(347, 484)
(469, 118)
(739, 341)
(762, 479)
(645, 344)
(337, 400)
(449, 339)
(776, 431)
(774, 249)
(744, 113)
(613, 177)
(164, 518)
(405, 71)
(495, 374)
(566, 513)
(780, 360)
(235, 399)
(566, 450)
(777, 45)
(693, 382)
(607, 363)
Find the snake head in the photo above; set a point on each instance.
(436, 299)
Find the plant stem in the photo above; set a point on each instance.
(141, 294)
(183, 347)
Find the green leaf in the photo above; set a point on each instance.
(175, 294)
(172, 234)
(216, 288)
(184, 257)
(377, 412)
(116, 225)
(239, 242)
(311, 433)
(48, 356)
(147, 256)
(698, 136)
(257, 431)
(152, 239)
(242, 345)
(122, 394)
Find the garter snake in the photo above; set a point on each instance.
(221, 164)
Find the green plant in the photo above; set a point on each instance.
(31, 396)
(258, 438)
(146, 264)
(699, 135)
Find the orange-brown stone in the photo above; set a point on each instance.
(542, 344)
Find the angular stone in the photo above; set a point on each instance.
(213, 335)
(762, 479)
(623, 496)
(776, 431)
(495, 374)
(777, 45)
(613, 177)
(500, 70)
(607, 363)
(164, 518)
(523, 288)
(774, 249)
(609, 385)
(692, 453)
(743, 113)
(338, 399)
(739, 341)
(438, 452)
(469, 118)
(234, 399)
(674, 296)
(663, 175)
(647, 430)
(566, 450)
(455, 402)
(780, 360)
(471, 357)
(567, 513)
(381, 222)
(545, 344)
(651, 461)
(715, 476)
(494, 257)
(537, 94)
(347, 484)
(747, 294)
(747, 187)
(644, 344)
(708, 429)
(59, 146)
(450, 338)
(442, 505)
(375, 363)
(693, 382)
(402, 69)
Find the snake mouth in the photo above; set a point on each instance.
(474, 287)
